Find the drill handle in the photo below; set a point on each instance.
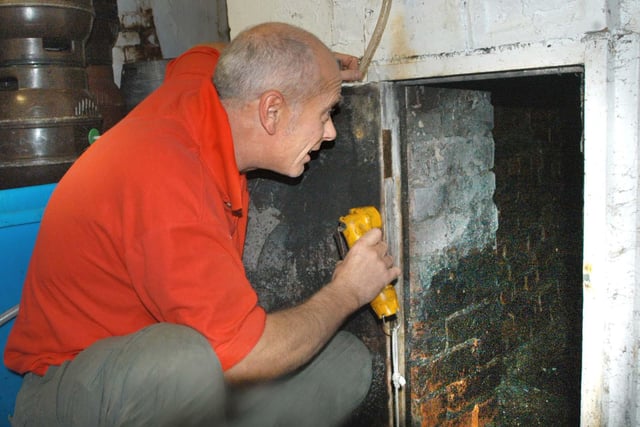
(353, 226)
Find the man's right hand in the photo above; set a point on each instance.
(366, 269)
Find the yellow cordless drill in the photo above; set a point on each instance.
(353, 226)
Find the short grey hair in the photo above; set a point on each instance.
(271, 56)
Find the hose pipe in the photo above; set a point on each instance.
(375, 37)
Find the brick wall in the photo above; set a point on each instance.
(493, 265)
(539, 195)
(451, 220)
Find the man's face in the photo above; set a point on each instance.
(306, 131)
(308, 125)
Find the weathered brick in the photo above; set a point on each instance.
(478, 322)
(433, 411)
(446, 368)
(476, 387)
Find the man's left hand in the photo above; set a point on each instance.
(348, 67)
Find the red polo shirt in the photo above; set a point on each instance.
(147, 226)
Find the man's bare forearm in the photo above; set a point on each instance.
(293, 336)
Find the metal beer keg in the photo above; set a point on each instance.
(46, 110)
(44, 31)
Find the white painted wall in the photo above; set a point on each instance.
(611, 262)
(420, 31)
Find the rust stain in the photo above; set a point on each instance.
(433, 411)
(359, 133)
(475, 415)
(386, 153)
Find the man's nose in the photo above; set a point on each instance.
(330, 132)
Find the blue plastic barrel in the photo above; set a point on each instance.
(20, 213)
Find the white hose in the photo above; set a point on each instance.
(375, 37)
(9, 314)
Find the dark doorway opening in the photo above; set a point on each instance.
(530, 374)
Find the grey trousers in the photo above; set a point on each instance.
(168, 375)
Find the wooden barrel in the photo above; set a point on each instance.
(139, 79)
(106, 25)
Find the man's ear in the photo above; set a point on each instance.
(270, 109)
